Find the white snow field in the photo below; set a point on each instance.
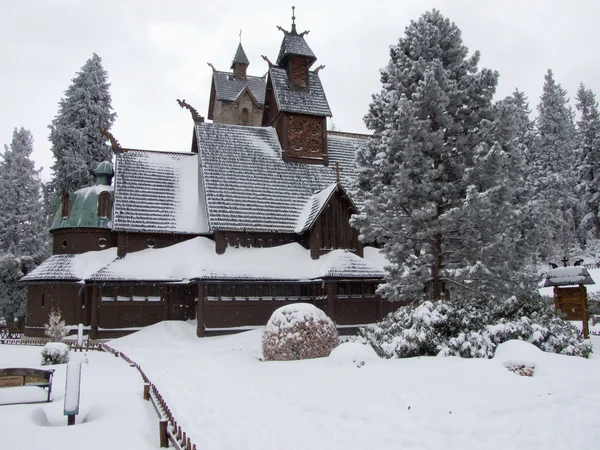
(225, 398)
(112, 413)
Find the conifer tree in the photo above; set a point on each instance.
(437, 179)
(23, 238)
(75, 133)
(588, 156)
(553, 166)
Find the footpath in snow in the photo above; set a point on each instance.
(225, 398)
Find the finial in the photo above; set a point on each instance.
(293, 20)
(267, 60)
(195, 116)
(240, 35)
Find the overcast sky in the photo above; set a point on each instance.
(156, 51)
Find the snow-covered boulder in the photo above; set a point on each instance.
(298, 331)
(518, 356)
(55, 353)
(353, 353)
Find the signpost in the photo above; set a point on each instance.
(72, 390)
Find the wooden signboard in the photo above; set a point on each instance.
(572, 301)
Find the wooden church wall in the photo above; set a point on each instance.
(81, 240)
(43, 298)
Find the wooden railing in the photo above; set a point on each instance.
(169, 429)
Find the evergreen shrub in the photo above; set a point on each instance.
(473, 328)
(55, 353)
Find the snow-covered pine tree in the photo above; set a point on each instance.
(436, 181)
(553, 168)
(23, 239)
(22, 227)
(588, 162)
(77, 142)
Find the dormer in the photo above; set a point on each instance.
(295, 102)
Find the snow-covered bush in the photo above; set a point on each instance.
(55, 329)
(473, 329)
(594, 303)
(55, 353)
(353, 354)
(298, 331)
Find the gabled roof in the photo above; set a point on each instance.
(311, 101)
(228, 88)
(315, 205)
(71, 267)
(249, 187)
(294, 44)
(568, 276)
(240, 56)
(195, 259)
(158, 192)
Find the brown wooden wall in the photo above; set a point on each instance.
(69, 298)
(81, 240)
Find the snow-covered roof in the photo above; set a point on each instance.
(294, 44)
(310, 101)
(228, 88)
(196, 259)
(249, 187)
(71, 267)
(568, 276)
(158, 192)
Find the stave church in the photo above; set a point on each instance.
(253, 217)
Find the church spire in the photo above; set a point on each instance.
(240, 62)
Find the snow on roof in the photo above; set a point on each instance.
(228, 88)
(71, 267)
(310, 101)
(294, 44)
(159, 192)
(196, 259)
(313, 208)
(249, 187)
(568, 276)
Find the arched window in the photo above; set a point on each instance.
(66, 204)
(245, 116)
(104, 205)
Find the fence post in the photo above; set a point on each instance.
(162, 433)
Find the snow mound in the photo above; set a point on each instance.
(298, 331)
(519, 357)
(353, 353)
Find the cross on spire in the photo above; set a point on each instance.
(337, 169)
(565, 261)
(240, 35)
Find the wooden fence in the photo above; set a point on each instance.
(169, 429)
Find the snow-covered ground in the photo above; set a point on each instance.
(112, 413)
(225, 398)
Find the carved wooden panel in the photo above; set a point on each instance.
(305, 136)
(299, 72)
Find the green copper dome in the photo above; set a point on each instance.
(104, 173)
(90, 207)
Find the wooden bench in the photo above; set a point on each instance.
(27, 377)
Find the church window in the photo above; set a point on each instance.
(43, 300)
(102, 242)
(239, 291)
(245, 116)
(151, 242)
(253, 290)
(342, 289)
(153, 294)
(66, 205)
(212, 290)
(104, 205)
(355, 290)
(64, 244)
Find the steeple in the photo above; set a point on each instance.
(295, 55)
(240, 62)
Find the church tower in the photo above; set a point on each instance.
(295, 102)
(236, 98)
